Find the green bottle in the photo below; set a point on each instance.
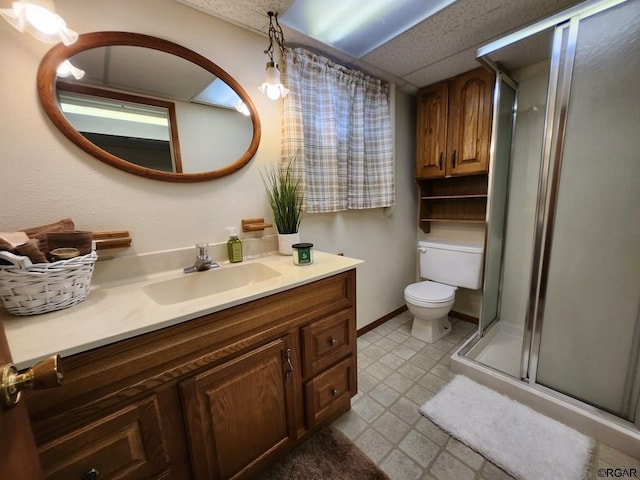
(234, 246)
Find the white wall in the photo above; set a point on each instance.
(45, 177)
(210, 136)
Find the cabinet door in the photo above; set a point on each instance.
(240, 412)
(432, 131)
(470, 103)
(127, 444)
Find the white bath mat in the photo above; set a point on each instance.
(521, 441)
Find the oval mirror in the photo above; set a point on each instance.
(149, 106)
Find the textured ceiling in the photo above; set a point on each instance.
(437, 48)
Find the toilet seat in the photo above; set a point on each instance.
(429, 293)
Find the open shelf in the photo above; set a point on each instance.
(453, 199)
(448, 197)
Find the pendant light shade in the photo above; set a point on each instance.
(272, 87)
(38, 18)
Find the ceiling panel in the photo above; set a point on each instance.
(437, 48)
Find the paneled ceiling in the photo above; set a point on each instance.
(437, 48)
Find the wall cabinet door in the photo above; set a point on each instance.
(454, 126)
(431, 132)
(470, 102)
(240, 412)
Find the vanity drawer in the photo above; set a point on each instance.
(126, 444)
(326, 341)
(330, 392)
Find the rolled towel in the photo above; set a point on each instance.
(31, 250)
(40, 232)
(10, 240)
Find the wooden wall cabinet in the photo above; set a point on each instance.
(454, 126)
(218, 397)
(453, 146)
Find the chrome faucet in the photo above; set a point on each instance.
(203, 261)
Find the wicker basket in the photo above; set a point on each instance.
(30, 289)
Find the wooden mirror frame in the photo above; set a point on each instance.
(47, 94)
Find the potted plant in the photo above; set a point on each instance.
(284, 195)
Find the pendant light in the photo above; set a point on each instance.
(272, 87)
(38, 18)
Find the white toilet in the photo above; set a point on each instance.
(446, 266)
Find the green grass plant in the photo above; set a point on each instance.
(284, 195)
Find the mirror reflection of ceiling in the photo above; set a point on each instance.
(157, 74)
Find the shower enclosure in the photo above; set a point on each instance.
(560, 312)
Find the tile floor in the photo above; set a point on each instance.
(396, 375)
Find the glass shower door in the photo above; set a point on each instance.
(504, 108)
(587, 318)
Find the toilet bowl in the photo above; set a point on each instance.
(444, 266)
(430, 304)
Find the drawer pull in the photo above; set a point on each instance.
(334, 392)
(333, 342)
(92, 474)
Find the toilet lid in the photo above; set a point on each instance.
(431, 292)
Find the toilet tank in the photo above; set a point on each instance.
(454, 263)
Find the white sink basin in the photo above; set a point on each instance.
(200, 284)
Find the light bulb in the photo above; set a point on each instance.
(273, 92)
(42, 19)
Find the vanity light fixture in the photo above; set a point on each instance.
(272, 87)
(38, 18)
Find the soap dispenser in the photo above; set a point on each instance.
(234, 246)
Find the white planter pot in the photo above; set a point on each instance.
(285, 240)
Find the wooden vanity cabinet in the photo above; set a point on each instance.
(217, 397)
(454, 126)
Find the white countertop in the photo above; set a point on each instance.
(116, 311)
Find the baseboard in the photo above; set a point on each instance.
(380, 321)
(464, 316)
(398, 311)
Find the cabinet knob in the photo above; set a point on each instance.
(44, 374)
(92, 474)
(333, 342)
(334, 392)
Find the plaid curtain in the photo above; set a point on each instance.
(337, 126)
